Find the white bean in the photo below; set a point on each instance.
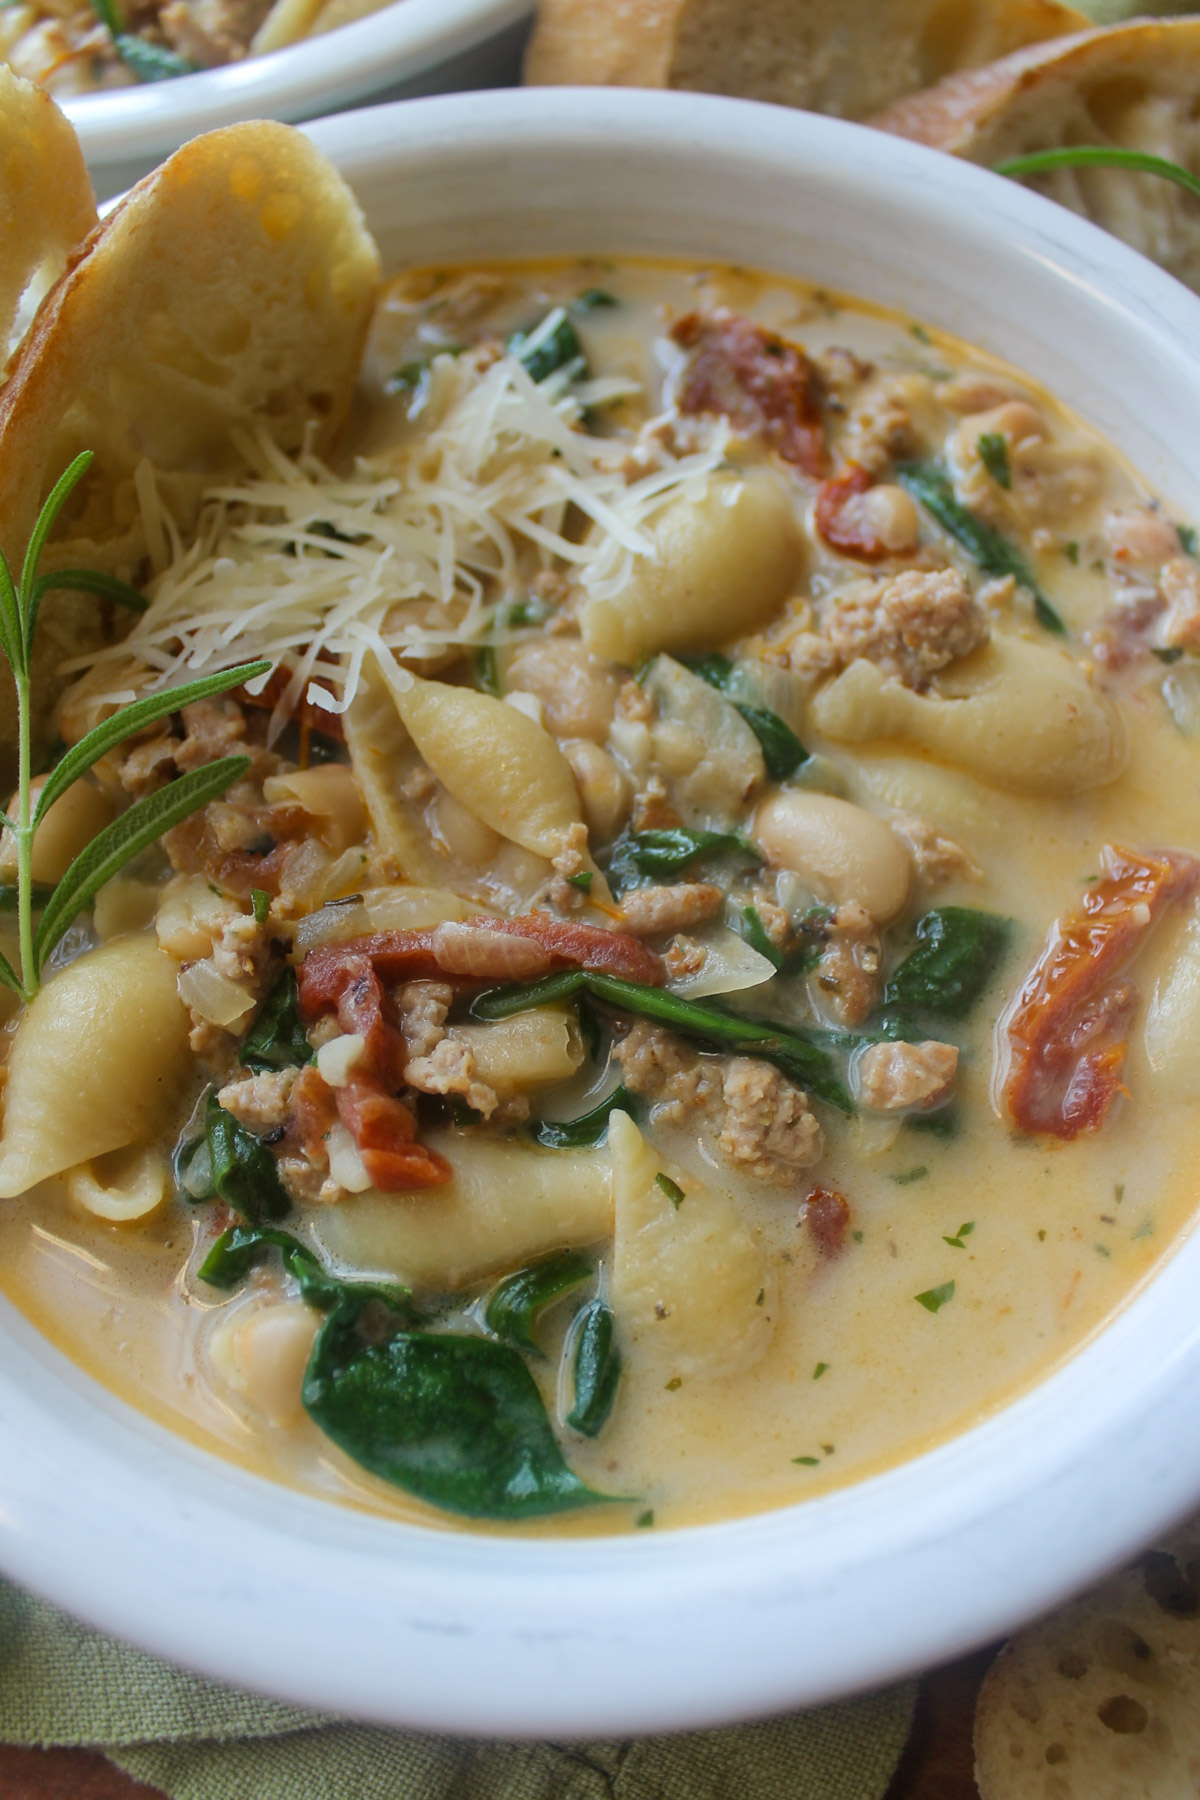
(842, 851)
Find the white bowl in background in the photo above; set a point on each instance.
(111, 1516)
(407, 48)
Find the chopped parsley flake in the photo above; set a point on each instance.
(933, 1299)
(675, 1383)
(260, 900)
(920, 333)
(1102, 1249)
(908, 1175)
(671, 1189)
(1119, 1192)
(644, 1519)
(1145, 1229)
(582, 881)
(828, 1449)
(857, 1236)
(963, 1231)
(819, 1371)
(1187, 538)
(1041, 1237)
(807, 1462)
(1071, 552)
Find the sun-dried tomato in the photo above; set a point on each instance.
(1065, 1033)
(764, 386)
(839, 524)
(385, 1134)
(826, 1217)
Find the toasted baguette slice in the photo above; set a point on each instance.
(847, 57)
(1129, 85)
(1101, 1701)
(46, 201)
(232, 289)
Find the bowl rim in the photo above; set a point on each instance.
(114, 1517)
(315, 76)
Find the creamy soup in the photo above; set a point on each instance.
(693, 995)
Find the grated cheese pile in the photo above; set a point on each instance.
(409, 556)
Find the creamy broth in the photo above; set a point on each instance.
(925, 1251)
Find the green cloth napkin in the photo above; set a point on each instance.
(62, 1684)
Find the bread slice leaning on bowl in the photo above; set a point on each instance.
(1134, 86)
(1101, 1700)
(231, 290)
(846, 57)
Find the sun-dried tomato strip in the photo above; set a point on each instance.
(1065, 1032)
(764, 386)
(841, 525)
(385, 1133)
(395, 956)
(360, 1011)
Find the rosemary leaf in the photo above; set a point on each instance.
(30, 590)
(88, 751)
(11, 641)
(90, 581)
(1099, 156)
(8, 976)
(141, 826)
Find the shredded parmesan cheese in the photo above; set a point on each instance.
(408, 556)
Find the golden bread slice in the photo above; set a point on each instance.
(46, 201)
(1101, 1701)
(231, 289)
(847, 57)
(1134, 86)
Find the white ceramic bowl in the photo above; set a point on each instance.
(408, 48)
(110, 1516)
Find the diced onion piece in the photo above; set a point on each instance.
(729, 964)
(122, 1187)
(1181, 691)
(340, 1057)
(416, 908)
(335, 923)
(212, 996)
(345, 1164)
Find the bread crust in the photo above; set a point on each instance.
(46, 200)
(1101, 1701)
(232, 288)
(847, 57)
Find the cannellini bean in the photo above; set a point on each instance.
(603, 787)
(69, 826)
(841, 850)
(262, 1355)
(577, 691)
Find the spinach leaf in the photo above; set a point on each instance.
(542, 354)
(485, 672)
(793, 1051)
(957, 953)
(595, 1364)
(931, 485)
(712, 1026)
(803, 954)
(456, 1420)
(242, 1247)
(515, 1304)
(277, 1039)
(668, 852)
(243, 1169)
(589, 1128)
(993, 454)
(522, 996)
(782, 750)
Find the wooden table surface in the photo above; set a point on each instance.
(937, 1764)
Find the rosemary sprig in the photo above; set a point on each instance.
(1099, 156)
(148, 818)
